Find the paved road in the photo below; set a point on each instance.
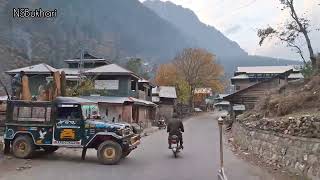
(199, 160)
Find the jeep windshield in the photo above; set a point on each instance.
(90, 111)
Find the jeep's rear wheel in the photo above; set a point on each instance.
(109, 152)
(125, 153)
(23, 147)
(50, 149)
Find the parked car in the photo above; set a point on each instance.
(65, 122)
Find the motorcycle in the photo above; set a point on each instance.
(162, 124)
(175, 145)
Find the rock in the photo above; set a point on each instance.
(230, 140)
(291, 118)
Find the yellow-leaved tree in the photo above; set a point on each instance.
(192, 68)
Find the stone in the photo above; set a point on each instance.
(305, 157)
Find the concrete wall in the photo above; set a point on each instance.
(296, 154)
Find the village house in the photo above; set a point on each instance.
(125, 96)
(200, 96)
(247, 76)
(124, 100)
(165, 97)
(255, 82)
(37, 75)
(220, 103)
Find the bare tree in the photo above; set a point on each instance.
(198, 68)
(291, 32)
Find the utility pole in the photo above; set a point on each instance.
(80, 66)
(221, 174)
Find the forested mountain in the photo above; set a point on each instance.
(112, 29)
(228, 52)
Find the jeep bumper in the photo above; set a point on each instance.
(134, 142)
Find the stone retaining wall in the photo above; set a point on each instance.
(298, 155)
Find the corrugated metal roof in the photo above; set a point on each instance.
(165, 91)
(110, 68)
(107, 99)
(118, 100)
(39, 69)
(265, 69)
(144, 102)
(70, 71)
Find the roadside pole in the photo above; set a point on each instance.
(221, 174)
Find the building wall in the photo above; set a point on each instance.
(127, 113)
(242, 83)
(166, 110)
(250, 96)
(124, 89)
(114, 110)
(143, 114)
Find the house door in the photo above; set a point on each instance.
(135, 114)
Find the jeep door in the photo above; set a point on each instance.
(69, 125)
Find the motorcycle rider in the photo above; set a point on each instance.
(175, 127)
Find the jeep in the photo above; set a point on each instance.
(65, 122)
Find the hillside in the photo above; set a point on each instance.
(187, 21)
(111, 29)
(292, 109)
(108, 28)
(228, 52)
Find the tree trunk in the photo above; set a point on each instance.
(304, 31)
(191, 102)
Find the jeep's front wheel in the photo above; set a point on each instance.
(23, 147)
(109, 152)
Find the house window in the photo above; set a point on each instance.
(237, 88)
(133, 85)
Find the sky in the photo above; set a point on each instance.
(239, 20)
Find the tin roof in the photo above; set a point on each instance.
(34, 69)
(118, 100)
(72, 100)
(265, 69)
(111, 69)
(107, 99)
(165, 91)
